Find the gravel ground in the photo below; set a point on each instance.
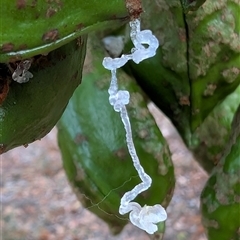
(38, 204)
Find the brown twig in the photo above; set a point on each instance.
(134, 8)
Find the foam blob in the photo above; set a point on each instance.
(114, 45)
(21, 74)
(147, 217)
(114, 63)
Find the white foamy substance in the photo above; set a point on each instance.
(145, 217)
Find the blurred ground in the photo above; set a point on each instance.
(38, 204)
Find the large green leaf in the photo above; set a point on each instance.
(92, 141)
(29, 27)
(211, 137)
(31, 109)
(220, 199)
(198, 62)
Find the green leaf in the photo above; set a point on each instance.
(211, 137)
(220, 199)
(197, 64)
(95, 155)
(29, 28)
(31, 109)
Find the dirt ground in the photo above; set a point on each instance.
(38, 204)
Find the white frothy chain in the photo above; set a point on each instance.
(145, 217)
